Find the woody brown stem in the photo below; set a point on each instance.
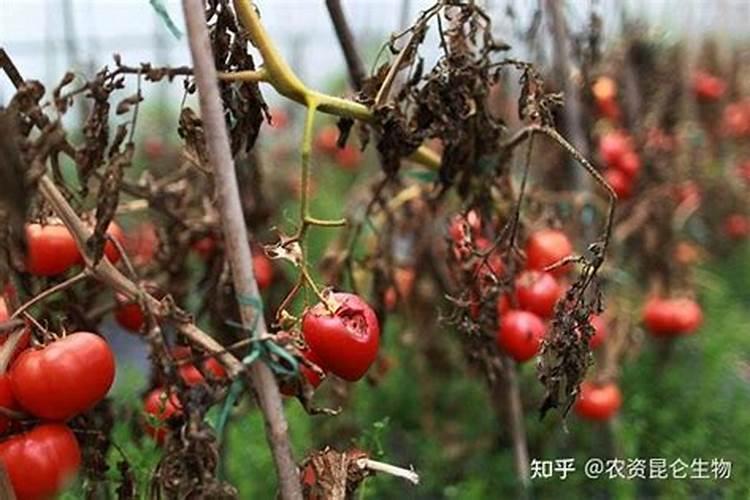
(236, 241)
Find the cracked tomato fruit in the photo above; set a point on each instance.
(520, 335)
(41, 462)
(344, 335)
(64, 378)
(598, 402)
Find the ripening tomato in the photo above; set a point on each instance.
(708, 87)
(600, 331)
(737, 226)
(620, 183)
(64, 378)
(263, 268)
(129, 315)
(346, 338)
(612, 146)
(547, 247)
(327, 139)
(348, 157)
(598, 402)
(311, 376)
(110, 250)
(520, 334)
(160, 406)
(41, 462)
(629, 164)
(538, 292)
(51, 249)
(670, 317)
(183, 355)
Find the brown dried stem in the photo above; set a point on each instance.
(235, 238)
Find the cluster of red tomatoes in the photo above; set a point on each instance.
(348, 157)
(48, 386)
(622, 161)
(162, 404)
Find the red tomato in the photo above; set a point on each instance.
(737, 226)
(142, 243)
(348, 157)
(22, 343)
(42, 462)
(612, 146)
(708, 87)
(63, 378)
(6, 401)
(263, 269)
(3, 310)
(110, 250)
(187, 370)
(129, 315)
(520, 334)
(51, 249)
(162, 407)
(312, 377)
(629, 164)
(327, 139)
(547, 247)
(538, 292)
(345, 341)
(600, 331)
(598, 402)
(620, 183)
(669, 317)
